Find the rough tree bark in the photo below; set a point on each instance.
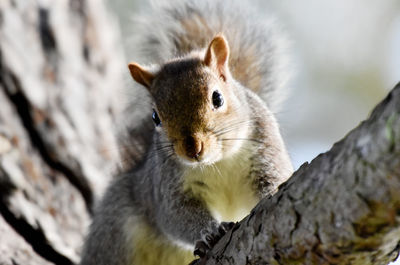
(59, 67)
(342, 208)
(60, 64)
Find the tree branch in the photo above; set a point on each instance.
(342, 208)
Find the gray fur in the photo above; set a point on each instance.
(106, 242)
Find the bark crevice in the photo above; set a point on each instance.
(34, 237)
(14, 93)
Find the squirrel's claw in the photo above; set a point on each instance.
(203, 246)
(225, 227)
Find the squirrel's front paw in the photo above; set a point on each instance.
(211, 238)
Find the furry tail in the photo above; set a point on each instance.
(258, 48)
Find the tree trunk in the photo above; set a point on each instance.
(342, 208)
(60, 64)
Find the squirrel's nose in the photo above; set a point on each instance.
(194, 147)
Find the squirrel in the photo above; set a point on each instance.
(215, 149)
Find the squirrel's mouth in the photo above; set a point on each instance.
(203, 160)
(197, 150)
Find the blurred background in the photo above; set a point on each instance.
(346, 57)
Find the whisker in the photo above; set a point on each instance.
(231, 126)
(217, 169)
(230, 130)
(242, 139)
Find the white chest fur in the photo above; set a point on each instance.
(225, 187)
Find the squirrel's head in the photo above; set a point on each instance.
(196, 109)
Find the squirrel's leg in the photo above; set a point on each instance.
(184, 218)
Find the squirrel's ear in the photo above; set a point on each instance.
(141, 75)
(217, 55)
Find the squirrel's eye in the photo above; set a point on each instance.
(217, 99)
(156, 119)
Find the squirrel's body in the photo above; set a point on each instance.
(216, 149)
